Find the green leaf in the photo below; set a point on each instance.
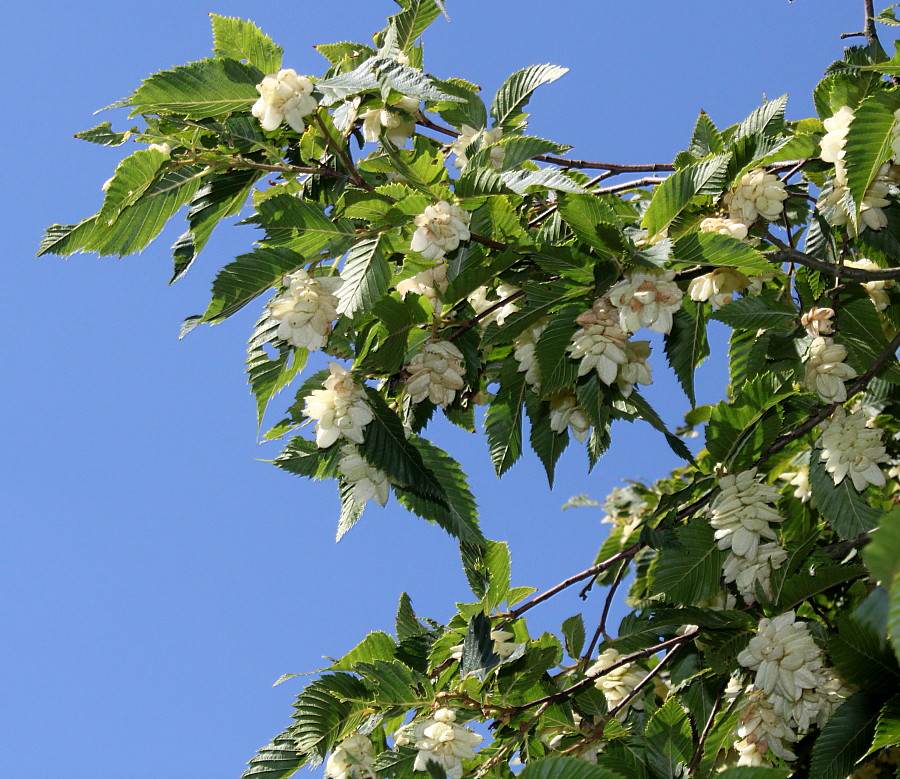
(302, 226)
(583, 213)
(412, 21)
(395, 684)
(380, 74)
(757, 312)
(636, 406)
(407, 623)
(103, 134)
(719, 251)
(862, 655)
(547, 444)
(516, 91)
(238, 39)
(755, 772)
(566, 768)
(503, 421)
(319, 715)
(198, 90)
(519, 148)
(672, 196)
(64, 240)
(478, 656)
(221, 196)
(276, 760)
(304, 458)
(268, 376)
(248, 277)
(802, 586)
(574, 634)
(840, 504)
(375, 646)
(862, 334)
(496, 559)
(558, 369)
(692, 571)
(541, 299)
(385, 447)
(366, 275)
(887, 731)
(521, 181)
(767, 120)
(669, 742)
(351, 511)
(686, 345)
(452, 506)
(706, 140)
(868, 143)
(845, 737)
(880, 554)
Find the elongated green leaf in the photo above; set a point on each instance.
(540, 300)
(208, 88)
(754, 772)
(304, 458)
(503, 421)
(574, 633)
(303, 226)
(496, 559)
(687, 346)
(558, 369)
(767, 120)
(706, 139)
(868, 143)
(840, 504)
(375, 646)
(718, 250)
(478, 655)
(412, 21)
(221, 196)
(669, 743)
(880, 553)
(692, 571)
(801, 586)
(104, 135)
(64, 240)
(887, 731)
(862, 655)
(862, 334)
(671, 197)
(583, 213)
(845, 737)
(351, 511)
(268, 376)
(520, 181)
(757, 312)
(567, 768)
(276, 760)
(547, 444)
(366, 275)
(516, 91)
(239, 39)
(519, 148)
(248, 277)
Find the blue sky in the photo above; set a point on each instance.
(157, 578)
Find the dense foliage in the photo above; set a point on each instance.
(442, 265)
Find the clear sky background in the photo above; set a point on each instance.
(156, 577)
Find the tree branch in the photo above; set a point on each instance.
(484, 314)
(612, 167)
(787, 254)
(607, 605)
(626, 185)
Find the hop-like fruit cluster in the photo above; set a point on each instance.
(817, 321)
(826, 370)
(398, 122)
(340, 409)
(646, 299)
(524, 353)
(566, 412)
(482, 301)
(760, 730)
(877, 290)
(429, 283)
(366, 481)
(306, 310)
(618, 684)
(637, 370)
(284, 96)
(600, 343)
(440, 739)
(439, 230)
(724, 226)
(718, 286)
(758, 194)
(353, 758)
(832, 144)
(470, 135)
(852, 446)
(435, 373)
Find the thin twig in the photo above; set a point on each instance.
(601, 628)
(343, 155)
(484, 314)
(626, 185)
(698, 752)
(655, 671)
(612, 167)
(578, 577)
(786, 254)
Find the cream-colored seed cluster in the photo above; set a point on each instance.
(757, 194)
(439, 230)
(435, 373)
(646, 299)
(566, 412)
(367, 482)
(792, 690)
(724, 226)
(398, 122)
(440, 739)
(306, 310)
(353, 758)
(429, 283)
(826, 370)
(817, 321)
(877, 290)
(718, 286)
(469, 135)
(482, 301)
(600, 343)
(340, 409)
(852, 446)
(284, 96)
(525, 356)
(618, 684)
(741, 515)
